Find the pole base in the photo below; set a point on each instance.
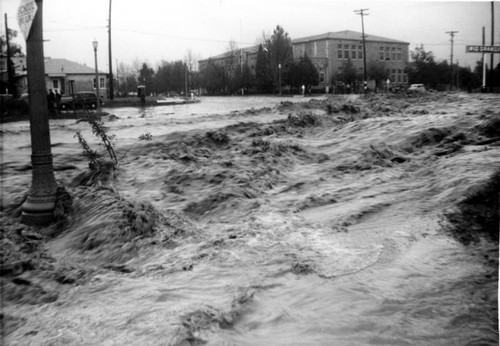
(37, 219)
(38, 210)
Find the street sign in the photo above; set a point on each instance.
(25, 15)
(482, 49)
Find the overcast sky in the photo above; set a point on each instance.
(155, 30)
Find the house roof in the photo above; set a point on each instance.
(346, 35)
(58, 67)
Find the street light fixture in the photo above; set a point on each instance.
(98, 104)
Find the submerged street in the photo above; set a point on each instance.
(261, 221)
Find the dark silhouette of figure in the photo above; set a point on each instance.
(51, 99)
(58, 97)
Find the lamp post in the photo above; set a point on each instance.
(98, 105)
(279, 74)
(39, 205)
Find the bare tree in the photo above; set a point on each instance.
(191, 60)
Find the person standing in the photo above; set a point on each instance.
(51, 98)
(58, 97)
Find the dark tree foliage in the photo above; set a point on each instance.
(377, 71)
(15, 49)
(263, 72)
(478, 75)
(349, 74)
(130, 84)
(438, 75)
(170, 77)
(146, 75)
(423, 68)
(304, 73)
(273, 53)
(281, 53)
(214, 78)
(244, 78)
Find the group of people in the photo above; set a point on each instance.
(54, 99)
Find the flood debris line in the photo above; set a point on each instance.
(196, 326)
(477, 215)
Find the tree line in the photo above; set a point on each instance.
(276, 70)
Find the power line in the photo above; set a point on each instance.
(179, 37)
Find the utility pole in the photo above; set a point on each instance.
(483, 86)
(452, 34)
(97, 84)
(40, 203)
(117, 78)
(10, 70)
(111, 88)
(186, 80)
(492, 43)
(362, 13)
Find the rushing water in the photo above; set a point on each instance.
(300, 253)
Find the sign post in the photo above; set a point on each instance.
(39, 205)
(483, 50)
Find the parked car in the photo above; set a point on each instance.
(416, 88)
(82, 99)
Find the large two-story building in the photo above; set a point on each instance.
(331, 50)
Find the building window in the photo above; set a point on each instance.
(346, 51)
(400, 55)
(55, 84)
(95, 85)
(101, 83)
(321, 70)
(387, 54)
(393, 54)
(381, 54)
(339, 51)
(353, 52)
(360, 52)
(393, 74)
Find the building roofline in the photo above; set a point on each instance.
(346, 35)
(247, 50)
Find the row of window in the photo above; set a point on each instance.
(391, 54)
(352, 51)
(398, 76)
(355, 52)
(56, 84)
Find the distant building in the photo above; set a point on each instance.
(244, 56)
(329, 51)
(60, 74)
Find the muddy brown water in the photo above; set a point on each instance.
(320, 235)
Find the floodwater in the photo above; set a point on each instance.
(268, 230)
